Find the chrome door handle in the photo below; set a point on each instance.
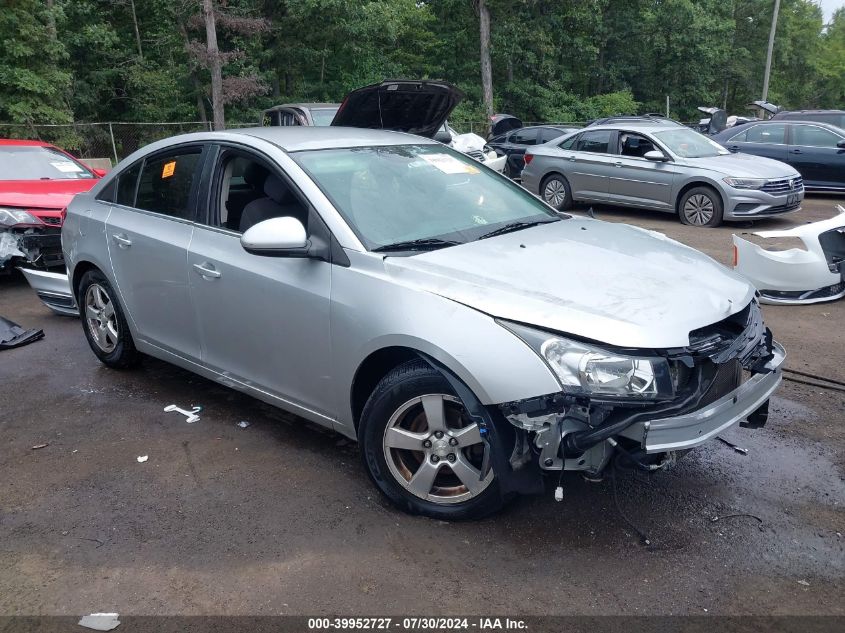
(618, 164)
(207, 271)
(571, 159)
(122, 241)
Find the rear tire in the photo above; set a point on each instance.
(556, 192)
(701, 206)
(104, 323)
(422, 450)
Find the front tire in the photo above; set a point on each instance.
(104, 323)
(556, 192)
(421, 448)
(701, 206)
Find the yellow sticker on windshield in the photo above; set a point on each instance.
(448, 164)
(168, 170)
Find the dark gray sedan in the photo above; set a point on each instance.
(816, 150)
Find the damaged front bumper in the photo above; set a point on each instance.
(53, 289)
(687, 431)
(813, 274)
(724, 377)
(40, 247)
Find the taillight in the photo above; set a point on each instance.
(736, 256)
(529, 158)
(64, 215)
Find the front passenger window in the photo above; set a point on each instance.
(166, 182)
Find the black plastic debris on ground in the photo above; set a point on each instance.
(13, 335)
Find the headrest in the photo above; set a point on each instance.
(275, 188)
(255, 174)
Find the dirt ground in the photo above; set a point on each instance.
(280, 518)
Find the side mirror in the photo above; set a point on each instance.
(655, 155)
(277, 237)
(99, 173)
(841, 144)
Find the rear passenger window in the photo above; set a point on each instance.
(597, 142)
(127, 182)
(770, 134)
(570, 142)
(165, 184)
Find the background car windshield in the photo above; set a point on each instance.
(408, 192)
(324, 116)
(21, 162)
(688, 144)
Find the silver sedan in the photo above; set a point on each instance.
(661, 166)
(400, 293)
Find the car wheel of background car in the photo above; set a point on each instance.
(422, 449)
(701, 206)
(555, 191)
(103, 322)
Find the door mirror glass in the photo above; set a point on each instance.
(279, 237)
(656, 156)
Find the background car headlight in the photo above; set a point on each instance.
(595, 372)
(745, 183)
(11, 217)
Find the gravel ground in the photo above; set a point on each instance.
(280, 518)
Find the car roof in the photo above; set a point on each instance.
(295, 138)
(306, 106)
(634, 125)
(18, 141)
(783, 112)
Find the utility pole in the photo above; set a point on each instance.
(769, 52)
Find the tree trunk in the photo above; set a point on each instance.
(137, 31)
(214, 65)
(51, 20)
(486, 64)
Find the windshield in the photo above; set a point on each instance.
(323, 116)
(396, 194)
(31, 162)
(688, 144)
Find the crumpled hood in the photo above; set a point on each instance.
(42, 194)
(607, 282)
(745, 166)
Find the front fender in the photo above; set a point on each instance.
(370, 312)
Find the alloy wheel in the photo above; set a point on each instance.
(101, 318)
(698, 209)
(434, 450)
(554, 192)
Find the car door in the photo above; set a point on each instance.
(587, 163)
(814, 153)
(148, 231)
(637, 181)
(263, 321)
(768, 139)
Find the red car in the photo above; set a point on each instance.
(37, 181)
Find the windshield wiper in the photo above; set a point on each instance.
(422, 244)
(513, 226)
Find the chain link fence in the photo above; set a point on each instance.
(114, 141)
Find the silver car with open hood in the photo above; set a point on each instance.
(397, 291)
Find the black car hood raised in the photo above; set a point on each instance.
(416, 107)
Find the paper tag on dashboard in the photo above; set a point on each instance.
(67, 167)
(448, 164)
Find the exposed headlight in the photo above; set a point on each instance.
(11, 217)
(745, 183)
(584, 369)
